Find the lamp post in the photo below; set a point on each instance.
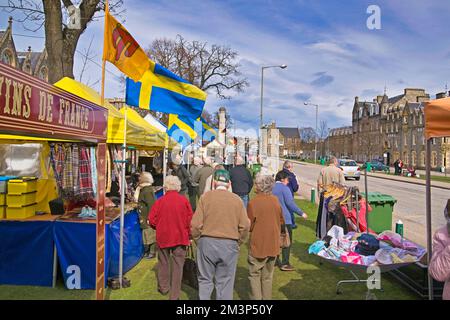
(283, 66)
(315, 137)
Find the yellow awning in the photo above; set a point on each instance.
(116, 122)
(153, 137)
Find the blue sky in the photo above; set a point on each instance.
(331, 54)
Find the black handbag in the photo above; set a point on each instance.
(190, 277)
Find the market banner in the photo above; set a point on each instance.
(30, 106)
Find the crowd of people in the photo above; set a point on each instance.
(209, 206)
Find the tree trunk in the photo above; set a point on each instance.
(54, 39)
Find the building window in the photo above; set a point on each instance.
(43, 74)
(413, 158)
(405, 140)
(7, 57)
(422, 158)
(413, 139)
(414, 119)
(434, 159)
(420, 119)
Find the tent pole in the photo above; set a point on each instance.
(367, 200)
(428, 217)
(122, 198)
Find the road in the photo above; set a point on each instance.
(410, 206)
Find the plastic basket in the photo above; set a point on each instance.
(4, 183)
(20, 212)
(2, 212)
(2, 199)
(23, 185)
(21, 200)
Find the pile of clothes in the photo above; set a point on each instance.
(366, 248)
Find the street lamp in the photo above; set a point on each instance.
(315, 137)
(283, 66)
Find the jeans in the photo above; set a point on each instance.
(285, 252)
(245, 200)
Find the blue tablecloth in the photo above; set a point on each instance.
(75, 244)
(26, 253)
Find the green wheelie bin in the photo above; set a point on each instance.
(380, 218)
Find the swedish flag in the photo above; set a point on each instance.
(161, 90)
(208, 133)
(184, 130)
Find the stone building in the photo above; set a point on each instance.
(280, 141)
(372, 136)
(34, 63)
(389, 129)
(339, 142)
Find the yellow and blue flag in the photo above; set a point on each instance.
(184, 130)
(161, 90)
(208, 133)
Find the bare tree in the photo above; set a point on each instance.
(323, 129)
(208, 67)
(60, 40)
(86, 56)
(307, 134)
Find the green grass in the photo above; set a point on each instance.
(310, 281)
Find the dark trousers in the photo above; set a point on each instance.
(192, 191)
(286, 252)
(169, 279)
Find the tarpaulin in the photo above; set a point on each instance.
(75, 243)
(26, 253)
(133, 248)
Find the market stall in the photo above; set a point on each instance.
(32, 114)
(437, 125)
(126, 128)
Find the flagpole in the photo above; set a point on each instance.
(122, 197)
(166, 149)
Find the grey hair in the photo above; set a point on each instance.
(287, 164)
(264, 183)
(172, 183)
(146, 177)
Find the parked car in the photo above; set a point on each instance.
(377, 165)
(350, 168)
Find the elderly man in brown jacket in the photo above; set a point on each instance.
(330, 174)
(266, 218)
(219, 226)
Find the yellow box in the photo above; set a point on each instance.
(21, 212)
(23, 185)
(21, 200)
(2, 199)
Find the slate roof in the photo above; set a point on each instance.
(289, 132)
(34, 58)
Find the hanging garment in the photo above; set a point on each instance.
(54, 154)
(85, 174)
(75, 170)
(93, 163)
(319, 216)
(351, 216)
(108, 171)
(68, 171)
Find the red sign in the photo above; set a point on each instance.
(31, 106)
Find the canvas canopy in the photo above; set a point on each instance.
(116, 121)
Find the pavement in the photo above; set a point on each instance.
(410, 206)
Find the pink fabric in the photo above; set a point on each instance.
(439, 267)
(351, 215)
(351, 257)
